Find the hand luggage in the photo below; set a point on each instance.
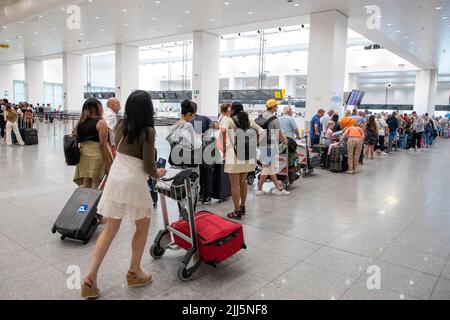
(71, 150)
(335, 159)
(79, 219)
(219, 186)
(217, 238)
(30, 136)
(14, 138)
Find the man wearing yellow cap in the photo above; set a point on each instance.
(269, 147)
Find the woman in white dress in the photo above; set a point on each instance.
(126, 194)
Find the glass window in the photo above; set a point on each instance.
(54, 94)
(19, 91)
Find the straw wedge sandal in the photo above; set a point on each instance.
(134, 281)
(88, 291)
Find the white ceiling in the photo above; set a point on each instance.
(423, 37)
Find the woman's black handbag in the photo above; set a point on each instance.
(71, 150)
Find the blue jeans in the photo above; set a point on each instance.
(392, 136)
(404, 141)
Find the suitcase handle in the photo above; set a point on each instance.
(225, 240)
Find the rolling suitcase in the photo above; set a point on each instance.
(30, 136)
(221, 187)
(217, 238)
(335, 159)
(79, 219)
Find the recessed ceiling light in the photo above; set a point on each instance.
(226, 3)
(53, 29)
(296, 5)
(187, 12)
(101, 30)
(124, 10)
(250, 13)
(154, 19)
(406, 37)
(81, 34)
(21, 22)
(212, 20)
(389, 24)
(5, 27)
(41, 17)
(444, 18)
(36, 33)
(157, 2)
(398, 31)
(126, 24)
(97, 17)
(438, 8)
(180, 26)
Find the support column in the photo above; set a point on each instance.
(127, 71)
(351, 82)
(326, 62)
(73, 82)
(426, 91)
(289, 83)
(205, 73)
(6, 83)
(34, 81)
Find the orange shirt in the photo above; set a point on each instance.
(355, 132)
(347, 122)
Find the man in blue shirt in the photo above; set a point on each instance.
(288, 125)
(200, 122)
(316, 128)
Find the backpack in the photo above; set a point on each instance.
(71, 150)
(249, 143)
(177, 149)
(263, 123)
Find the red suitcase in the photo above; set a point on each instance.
(217, 238)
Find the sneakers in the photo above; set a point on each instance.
(281, 193)
(384, 154)
(260, 192)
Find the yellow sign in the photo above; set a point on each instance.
(4, 46)
(279, 95)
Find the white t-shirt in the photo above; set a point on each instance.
(381, 125)
(111, 121)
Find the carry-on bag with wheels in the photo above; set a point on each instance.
(79, 219)
(335, 159)
(31, 136)
(217, 238)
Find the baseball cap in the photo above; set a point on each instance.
(272, 103)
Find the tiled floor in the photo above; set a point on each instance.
(315, 244)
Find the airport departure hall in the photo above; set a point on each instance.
(233, 150)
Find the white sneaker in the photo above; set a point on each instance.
(412, 149)
(384, 154)
(281, 193)
(260, 192)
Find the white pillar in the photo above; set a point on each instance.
(34, 81)
(236, 83)
(351, 82)
(289, 83)
(127, 71)
(205, 73)
(73, 82)
(426, 91)
(326, 61)
(6, 83)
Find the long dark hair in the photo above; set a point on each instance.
(371, 124)
(238, 113)
(138, 115)
(92, 109)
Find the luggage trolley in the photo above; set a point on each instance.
(182, 187)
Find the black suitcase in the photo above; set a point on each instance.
(30, 136)
(218, 183)
(79, 219)
(335, 159)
